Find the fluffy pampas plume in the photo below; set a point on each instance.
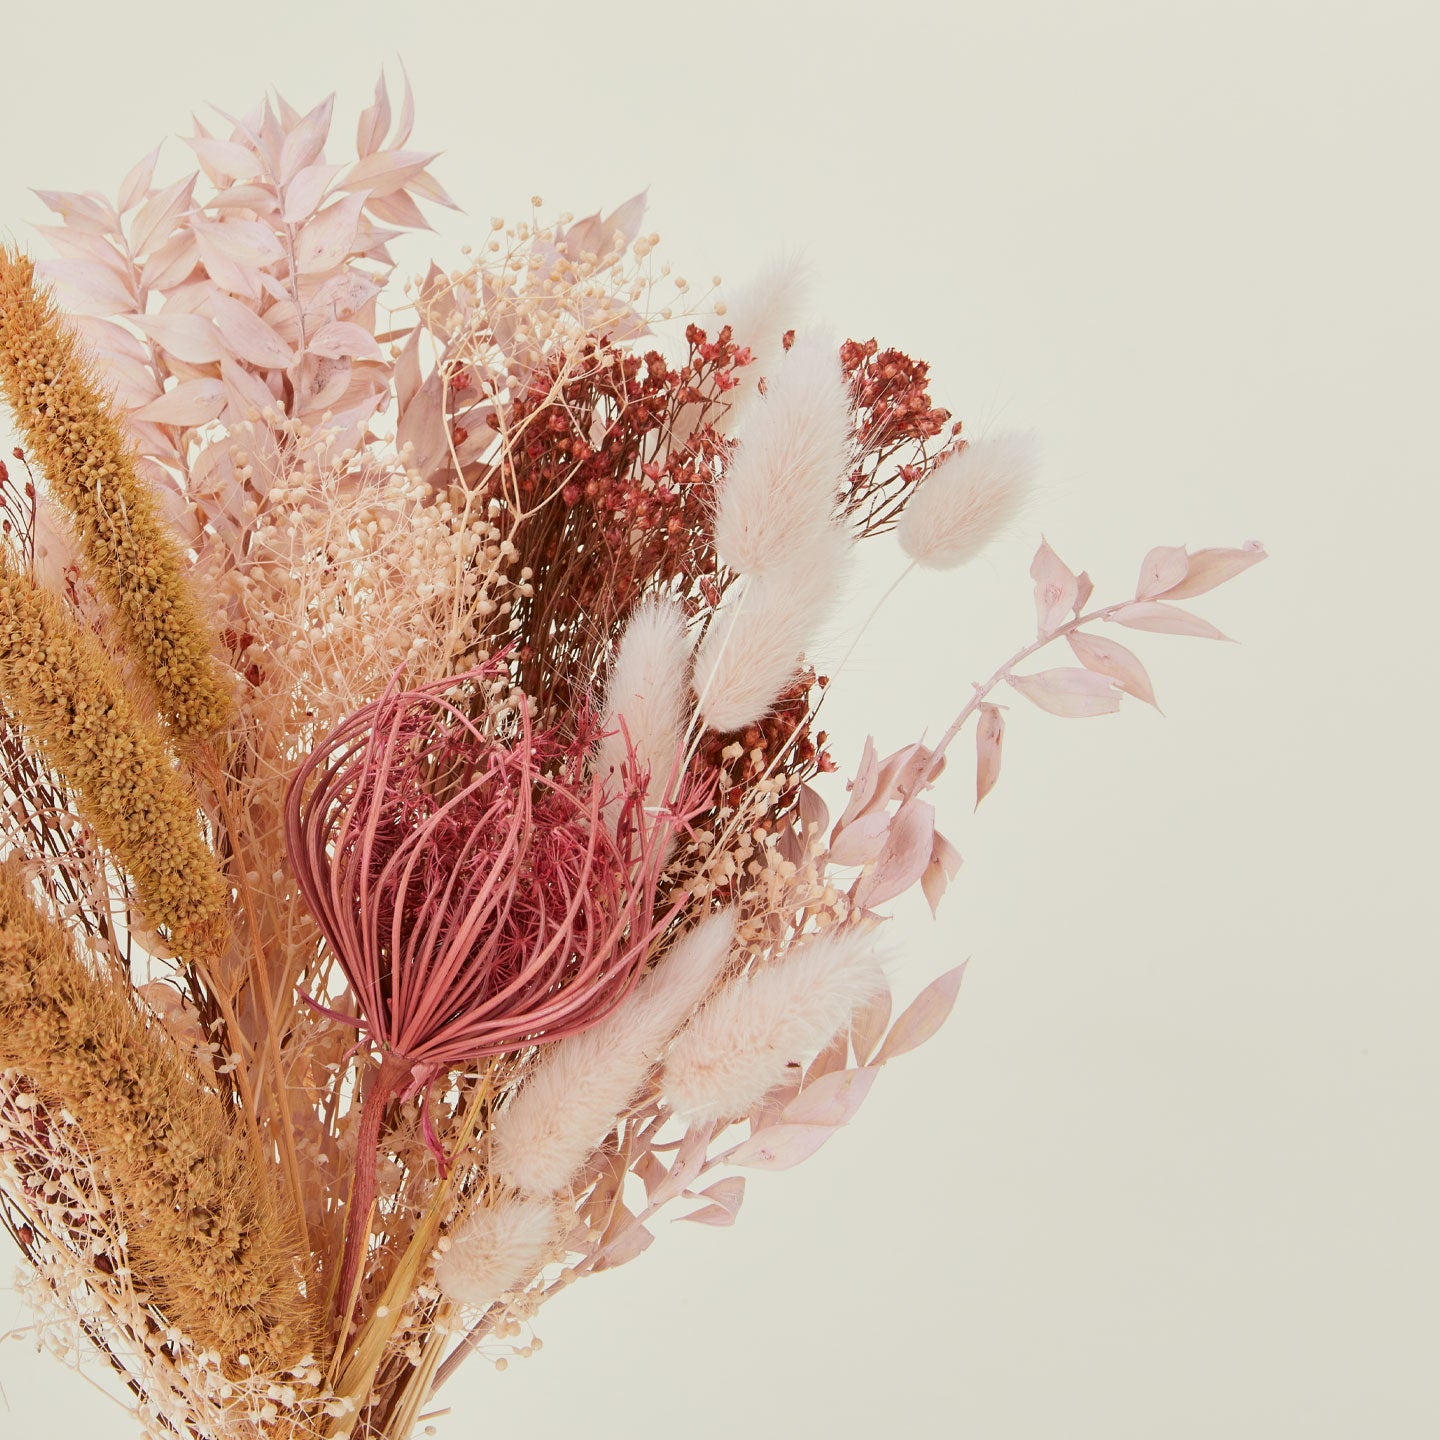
(737, 1049)
(754, 644)
(498, 1248)
(646, 704)
(584, 1082)
(971, 495)
(794, 447)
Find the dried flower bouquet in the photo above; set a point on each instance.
(415, 876)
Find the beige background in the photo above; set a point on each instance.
(1170, 1171)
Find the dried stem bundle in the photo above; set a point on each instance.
(481, 879)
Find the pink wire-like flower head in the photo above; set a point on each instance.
(466, 882)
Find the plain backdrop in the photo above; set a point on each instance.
(1171, 1168)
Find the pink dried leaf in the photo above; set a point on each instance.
(374, 122)
(778, 1147)
(259, 198)
(1073, 694)
(832, 1099)
(989, 740)
(1084, 592)
(83, 245)
(835, 1056)
(224, 160)
(1163, 567)
(170, 264)
(944, 866)
(1209, 568)
(248, 336)
(136, 184)
(386, 171)
(305, 143)
(1110, 657)
(305, 191)
(87, 286)
(862, 787)
(651, 1170)
(247, 242)
(191, 338)
(422, 426)
(1165, 619)
(79, 212)
(867, 1026)
(813, 813)
(159, 215)
(861, 841)
(729, 1192)
(191, 402)
(245, 391)
(332, 235)
(716, 1215)
(427, 187)
(343, 296)
(342, 339)
(399, 209)
(903, 860)
(626, 1240)
(405, 121)
(922, 1017)
(625, 219)
(1056, 589)
(904, 771)
(688, 1162)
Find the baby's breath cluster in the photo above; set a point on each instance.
(134, 561)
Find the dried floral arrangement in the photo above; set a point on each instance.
(415, 873)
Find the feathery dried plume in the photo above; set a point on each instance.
(583, 1083)
(738, 1048)
(74, 432)
(753, 647)
(760, 314)
(646, 705)
(58, 682)
(207, 1237)
(793, 452)
(498, 1248)
(969, 497)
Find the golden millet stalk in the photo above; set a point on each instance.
(206, 1236)
(71, 428)
(65, 692)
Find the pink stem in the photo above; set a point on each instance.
(383, 1084)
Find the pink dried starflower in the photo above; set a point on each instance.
(467, 886)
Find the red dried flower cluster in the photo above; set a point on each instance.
(599, 470)
(894, 423)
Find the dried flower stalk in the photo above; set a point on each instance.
(206, 1235)
(74, 432)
